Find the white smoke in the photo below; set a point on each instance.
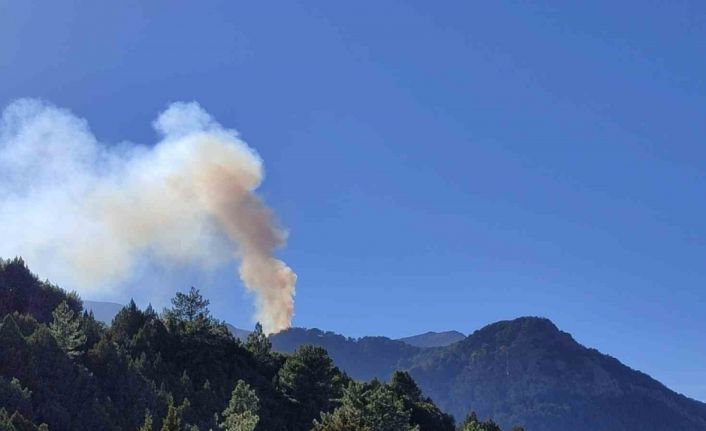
(83, 213)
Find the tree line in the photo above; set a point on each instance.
(179, 370)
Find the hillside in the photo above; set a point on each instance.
(524, 371)
(181, 370)
(433, 339)
(527, 371)
(106, 311)
(364, 358)
(520, 371)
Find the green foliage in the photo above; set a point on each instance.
(310, 379)
(472, 423)
(22, 292)
(374, 407)
(172, 422)
(241, 413)
(188, 307)
(423, 411)
(183, 371)
(363, 359)
(258, 344)
(17, 422)
(66, 329)
(15, 397)
(147, 425)
(403, 384)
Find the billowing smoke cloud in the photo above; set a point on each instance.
(83, 213)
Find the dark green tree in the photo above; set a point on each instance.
(174, 372)
(14, 397)
(472, 423)
(368, 407)
(147, 425)
(242, 411)
(93, 329)
(386, 411)
(172, 422)
(309, 379)
(258, 344)
(17, 422)
(423, 411)
(189, 307)
(403, 384)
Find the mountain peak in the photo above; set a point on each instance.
(507, 332)
(529, 323)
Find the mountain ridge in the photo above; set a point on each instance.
(525, 370)
(433, 339)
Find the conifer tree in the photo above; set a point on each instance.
(66, 329)
(147, 425)
(189, 307)
(241, 413)
(310, 379)
(258, 344)
(172, 422)
(472, 423)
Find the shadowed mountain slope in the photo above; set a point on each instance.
(524, 371)
(433, 339)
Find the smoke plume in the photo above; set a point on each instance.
(83, 213)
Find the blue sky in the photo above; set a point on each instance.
(439, 165)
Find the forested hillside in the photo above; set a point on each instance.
(434, 339)
(528, 371)
(61, 369)
(181, 369)
(521, 371)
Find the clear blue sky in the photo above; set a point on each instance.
(440, 165)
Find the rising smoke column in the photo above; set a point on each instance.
(84, 214)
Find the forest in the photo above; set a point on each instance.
(180, 369)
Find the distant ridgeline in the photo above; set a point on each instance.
(184, 370)
(521, 371)
(62, 369)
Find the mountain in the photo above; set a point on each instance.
(240, 334)
(103, 311)
(433, 339)
(523, 371)
(363, 359)
(528, 371)
(61, 369)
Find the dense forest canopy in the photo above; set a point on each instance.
(61, 369)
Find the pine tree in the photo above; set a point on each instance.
(241, 413)
(66, 329)
(147, 425)
(309, 378)
(404, 385)
(172, 422)
(189, 307)
(472, 423)
(258, 344)
(367, 407)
